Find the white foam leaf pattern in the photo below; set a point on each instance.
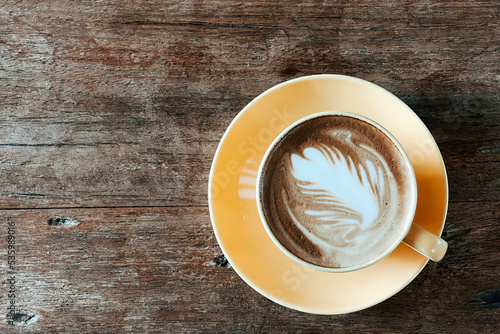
(347, 194)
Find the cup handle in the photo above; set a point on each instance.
(426, 243)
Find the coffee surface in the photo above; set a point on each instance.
(335, 191)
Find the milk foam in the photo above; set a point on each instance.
(335, 196)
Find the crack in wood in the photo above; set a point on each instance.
(221, 261)
(57, 221)
(107, 207)
(489, 299)
(24, 318)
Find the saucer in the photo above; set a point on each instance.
(233, 209)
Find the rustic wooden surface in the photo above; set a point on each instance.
(110, 114)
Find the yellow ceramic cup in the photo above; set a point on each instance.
(421, 240)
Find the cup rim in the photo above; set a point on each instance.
(413, 204)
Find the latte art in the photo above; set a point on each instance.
(333, 189)
(350, 194)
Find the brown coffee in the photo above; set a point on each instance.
(336, 191)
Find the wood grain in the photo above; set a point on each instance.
(111, 112)
(147, 93)
(158, 270)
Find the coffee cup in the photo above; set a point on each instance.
(336, 192)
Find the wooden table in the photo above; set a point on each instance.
(111, 112)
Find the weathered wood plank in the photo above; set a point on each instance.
(125, 105)
(150, 170)
(155, 269)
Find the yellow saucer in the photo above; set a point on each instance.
(233, 209)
